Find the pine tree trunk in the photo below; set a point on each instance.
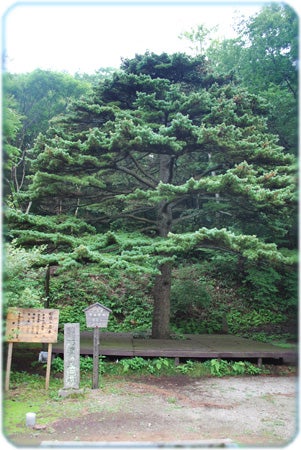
(161, 311)
(162, 286)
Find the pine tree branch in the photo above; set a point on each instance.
(136, 176)
(140, 219)
(140, 168)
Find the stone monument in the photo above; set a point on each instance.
(71, 360)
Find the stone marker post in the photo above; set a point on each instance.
(71, 360)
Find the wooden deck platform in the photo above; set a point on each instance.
(193, 346)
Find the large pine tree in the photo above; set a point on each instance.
(164, 147)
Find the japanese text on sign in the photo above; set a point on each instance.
(32, 325)
(97, 316)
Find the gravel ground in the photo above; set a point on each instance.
(251, 411)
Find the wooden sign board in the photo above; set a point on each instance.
(97, 316)
(32, 325)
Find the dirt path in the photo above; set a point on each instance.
(248, 410)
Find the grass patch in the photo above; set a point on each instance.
(14, 413)
(27, 394)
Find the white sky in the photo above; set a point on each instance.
(86, 36)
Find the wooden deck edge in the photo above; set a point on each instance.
(123, 345)
(186, 353)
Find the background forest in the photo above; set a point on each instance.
(165, 190)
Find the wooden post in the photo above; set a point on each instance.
(97, 316)
(259, 363)
(8, 365)
(48, 366)
(95, 358)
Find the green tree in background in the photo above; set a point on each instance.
(270, 40)
(12, 155)
(37, 97)
(264, 58)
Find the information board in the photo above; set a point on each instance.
(32, 325)
(97, 316)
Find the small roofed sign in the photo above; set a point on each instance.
(97, 316)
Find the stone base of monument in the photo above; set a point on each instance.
(70, 391)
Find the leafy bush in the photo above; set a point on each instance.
(242, 321)
(186, 368)
(220, 367)
(133, 313)
(262, 281)
(190, 299)
(23, 280)
(85, 364)
(74, 314)
(139, 364)
(269, 288)
(128, 297)
(57, 364)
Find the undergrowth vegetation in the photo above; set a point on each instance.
(206, 297)
(163, 366)
(218, 293)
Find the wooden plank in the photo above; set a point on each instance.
(48, 366)
(8, 365)
(95, 377)
(116, 352)
(195, 346)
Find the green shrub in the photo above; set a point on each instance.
(188, 297)
(128, 297)
(186, 368)
(161, 366)
(242, 321)
(220, 367)
(139, 364)
(23, 281)
(57, 364)
(74, 314)
(262, 281)
(85, 363)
